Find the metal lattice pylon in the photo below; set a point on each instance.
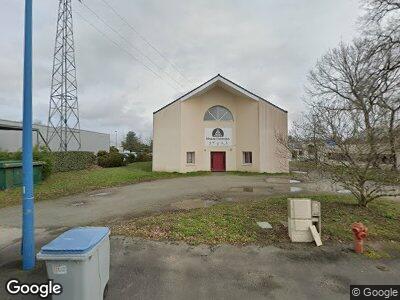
(63, 123)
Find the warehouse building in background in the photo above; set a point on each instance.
(220, 126)
(11, 138)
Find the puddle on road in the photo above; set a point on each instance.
(278, 180)
(251, 189)
(294, 181)
(248, 189)
(295, 189)
(100, 194)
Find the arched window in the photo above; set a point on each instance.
(218, 113)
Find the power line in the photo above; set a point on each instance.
(130, 43)
(122, 48)
(144, 39)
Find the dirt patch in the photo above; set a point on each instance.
(212, 196)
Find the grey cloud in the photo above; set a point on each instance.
(267, 46)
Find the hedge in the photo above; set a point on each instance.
(56, 161)
(110, 160)
(72, 160)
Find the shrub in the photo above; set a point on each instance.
(102, 153)
(110, 160)
(143, 157)
(4, 155)
(38, 155)
(131, 158)
(114, 149)
(45, 156)
(56, 161)
(72, 160)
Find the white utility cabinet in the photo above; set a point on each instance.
(303, 213)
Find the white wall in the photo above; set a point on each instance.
(11, 140)
(166, 139)
(179, 128)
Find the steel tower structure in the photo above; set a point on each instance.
(63, 122)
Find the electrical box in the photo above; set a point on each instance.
(302, 214)
(300, 208)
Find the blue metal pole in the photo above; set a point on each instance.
(28, 226)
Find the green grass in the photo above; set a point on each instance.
(235, 223)
(73, 182)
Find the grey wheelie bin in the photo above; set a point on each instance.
(79, 260)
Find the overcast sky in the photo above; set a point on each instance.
(267, 46)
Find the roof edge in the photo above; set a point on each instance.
(231, 82)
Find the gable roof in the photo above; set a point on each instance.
(220, 80)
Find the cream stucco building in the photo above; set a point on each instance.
(219, 126)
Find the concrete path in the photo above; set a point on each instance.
(135, 199)
(94, 207)
(143, 269)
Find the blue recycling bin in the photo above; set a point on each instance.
(79, 260)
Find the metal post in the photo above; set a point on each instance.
(28, 231)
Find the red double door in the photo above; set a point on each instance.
(218, 161)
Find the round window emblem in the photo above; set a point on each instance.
(217, 132)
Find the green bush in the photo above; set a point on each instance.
(44, 156)
(72, 160)
(110, 160)
(143, 157)
(56, 161)
(113, 149)
(4, 155)
(38, 155)
(131, 158)
(102, 153)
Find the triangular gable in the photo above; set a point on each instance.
(219, 80)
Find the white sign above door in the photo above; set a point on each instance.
(218, 137)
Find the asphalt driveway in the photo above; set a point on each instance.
(125, 200)
(142, 269)
(118, 202)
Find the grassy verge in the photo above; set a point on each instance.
(235, 223)
(73, 182)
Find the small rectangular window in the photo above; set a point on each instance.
(247, 157)
(190, 157)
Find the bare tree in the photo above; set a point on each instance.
(344, 78)
(382, 20)
(307, 131)
(381, 24)
(389, 102)
(346, 89)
